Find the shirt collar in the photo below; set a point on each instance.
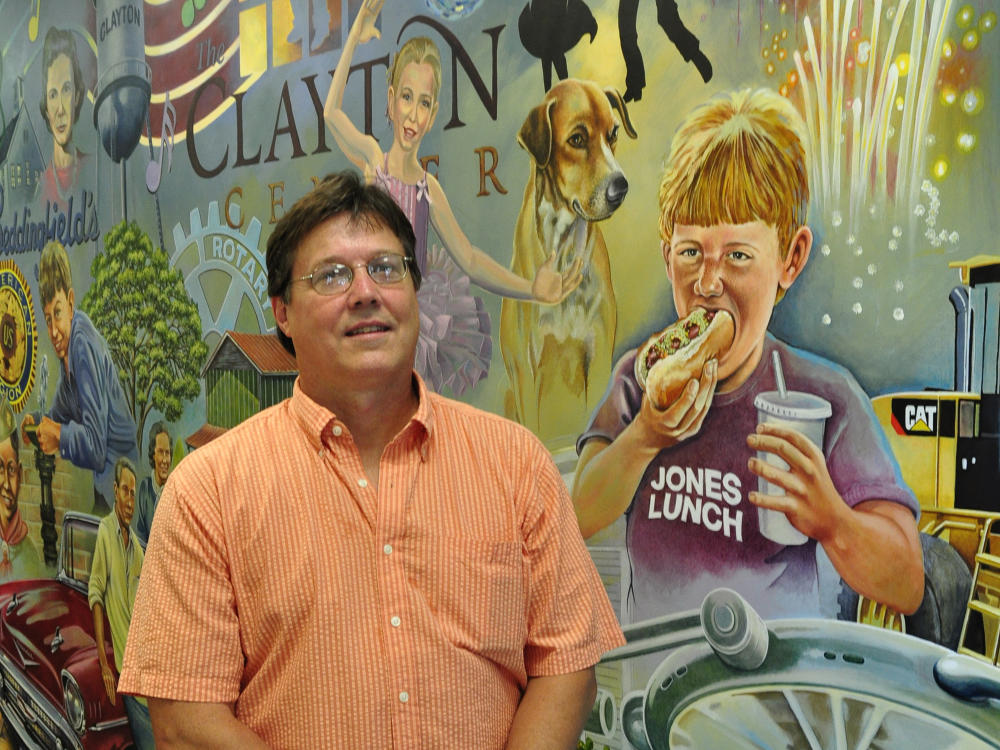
(753, 384)
(122, 534)
(321, 425)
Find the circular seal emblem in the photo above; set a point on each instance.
(18, 336)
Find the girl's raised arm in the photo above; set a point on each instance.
(548, 287)
(362, 150)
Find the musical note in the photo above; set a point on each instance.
(33, 22)
(154, 169)
(188, 11)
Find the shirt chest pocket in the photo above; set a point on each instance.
(477, 592)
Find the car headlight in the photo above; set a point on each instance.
(73, 701)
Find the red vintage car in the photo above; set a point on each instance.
(51, 692)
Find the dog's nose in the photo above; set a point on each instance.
(617, 189)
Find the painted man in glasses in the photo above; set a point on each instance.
(366, 564)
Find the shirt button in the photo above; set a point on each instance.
(404, 696)
(395, 621)
(387, 549)
(338, 430)
(362, 483)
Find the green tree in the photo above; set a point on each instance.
(152, 326)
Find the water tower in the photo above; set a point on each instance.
(124, 81)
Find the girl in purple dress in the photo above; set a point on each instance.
(455, 346)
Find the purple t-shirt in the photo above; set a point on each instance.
(690, 527)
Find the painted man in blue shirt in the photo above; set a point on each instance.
(89, 424)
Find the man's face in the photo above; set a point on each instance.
(58, 319)
(368, 332)
(161, 457)
(10, 480)
(60, 99)
(125, 497)
(737, 268)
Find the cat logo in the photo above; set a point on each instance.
(915, 416)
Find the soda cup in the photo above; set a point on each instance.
(806, 413)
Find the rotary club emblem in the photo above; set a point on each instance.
(18, 336)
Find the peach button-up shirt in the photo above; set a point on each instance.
(338, 615)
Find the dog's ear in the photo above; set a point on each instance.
(535, 135)
(618, 103)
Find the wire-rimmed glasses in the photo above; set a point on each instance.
(330, 278)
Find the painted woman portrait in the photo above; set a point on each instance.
(63, 92)
(455, 345)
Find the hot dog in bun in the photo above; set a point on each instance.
(668, 360)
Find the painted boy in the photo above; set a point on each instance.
(89, 424)
(733, 204)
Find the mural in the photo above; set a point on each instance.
(805, 184)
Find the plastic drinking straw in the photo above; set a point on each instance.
(779, 376)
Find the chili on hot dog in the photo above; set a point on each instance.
(675, 355)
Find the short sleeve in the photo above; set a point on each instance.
(618, 406)
(184, 640)
(859, 458)
(570, 621)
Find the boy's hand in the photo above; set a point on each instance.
(664, 428)
(26, 422)
(811, 502)
(48, 435)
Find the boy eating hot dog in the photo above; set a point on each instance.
(733, 202)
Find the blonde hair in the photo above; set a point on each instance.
(738, 158)
(418, 50)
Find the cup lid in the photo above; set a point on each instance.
(793, 405)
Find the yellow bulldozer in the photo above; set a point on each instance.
(947, 443)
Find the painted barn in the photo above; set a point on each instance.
(245, 373)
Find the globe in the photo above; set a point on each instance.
(452, 10)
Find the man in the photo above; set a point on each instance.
(89, 424)
(114, 578)
(18, 554)
(733, 206)
(365, 564)
(150, 488)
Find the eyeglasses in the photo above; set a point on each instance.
(336, 278)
